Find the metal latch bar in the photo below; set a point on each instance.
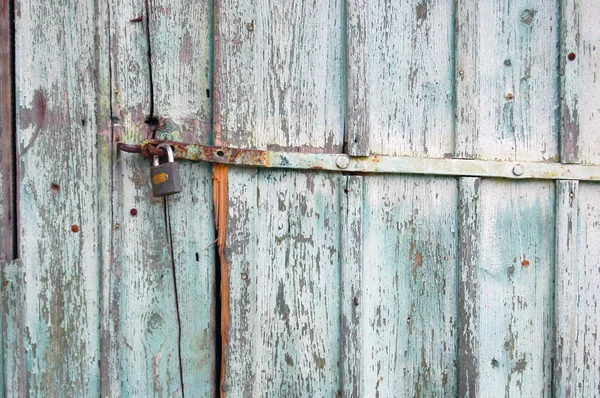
(370, 164)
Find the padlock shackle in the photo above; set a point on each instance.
(170, 154)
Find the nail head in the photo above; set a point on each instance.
(518, 170)
(342, 161)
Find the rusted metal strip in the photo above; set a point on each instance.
(372, 164)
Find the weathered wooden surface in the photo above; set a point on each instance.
(514, 297)
(279, 83)
(284, 234)
(400, 78)
(506, 80)
(566, 284)
(6, 166)
(351, 275)
(57, 160)
(580, 65)
(408, 293)
(279, 74)
(468, 260)
(578, 290)
(162, 276)
(330, 284)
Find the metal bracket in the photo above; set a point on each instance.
(369, 164)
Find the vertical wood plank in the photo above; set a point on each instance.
(409, 286)
(579, 68)
(578, 287)
(56, 145)
(516, 256)
(7, 199)
(278, 84)
(400, 78)
(566, 289)
(571, 87)
(180, 34)
(146, 358)
(468, 260)
(108, 202)
(283, 248)
(13, 296)
(352, 266)
(506, 87)
(7, 158)
(279, 77)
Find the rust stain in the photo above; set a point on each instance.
(221, 203)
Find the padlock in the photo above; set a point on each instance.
(165, 177)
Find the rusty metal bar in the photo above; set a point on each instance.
(370, 164)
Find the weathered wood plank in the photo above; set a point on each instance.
(146, 358)
(579, 68)
(578, 291)
(409, 286)
(514, 300)
(108, 253)
(180, 34)
(13, 314)
(283, 248)
(279, 79)
(566, 289)
(506, 86)
(352, 265)
(7, 203)
(468, 261)
(7, 164)
(571, 82)
(56, 149)
(400, 78)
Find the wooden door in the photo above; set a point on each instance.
(268, 282)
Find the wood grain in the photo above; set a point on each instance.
(400, 78)
(162, 298)
(567, 292)
(57, 159)
(506, 85)
(279, 74)
(285, 290)
(351, 275)
(514, 298)
(580, 105)
(180, 33)
(578, 287)
(7, 203)
(468, 260)
(409, 286)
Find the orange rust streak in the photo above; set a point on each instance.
(221, 203)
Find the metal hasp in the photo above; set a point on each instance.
(369, 164)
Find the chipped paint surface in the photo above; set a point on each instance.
(337, 279)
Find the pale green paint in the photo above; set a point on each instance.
(400, 78)
(578, 291)
(283, 248)
(514, 297)
(94, 312)
(58, 308)
(409, 286)
(507, 93)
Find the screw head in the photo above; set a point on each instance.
(342, 161)
(518, 170)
